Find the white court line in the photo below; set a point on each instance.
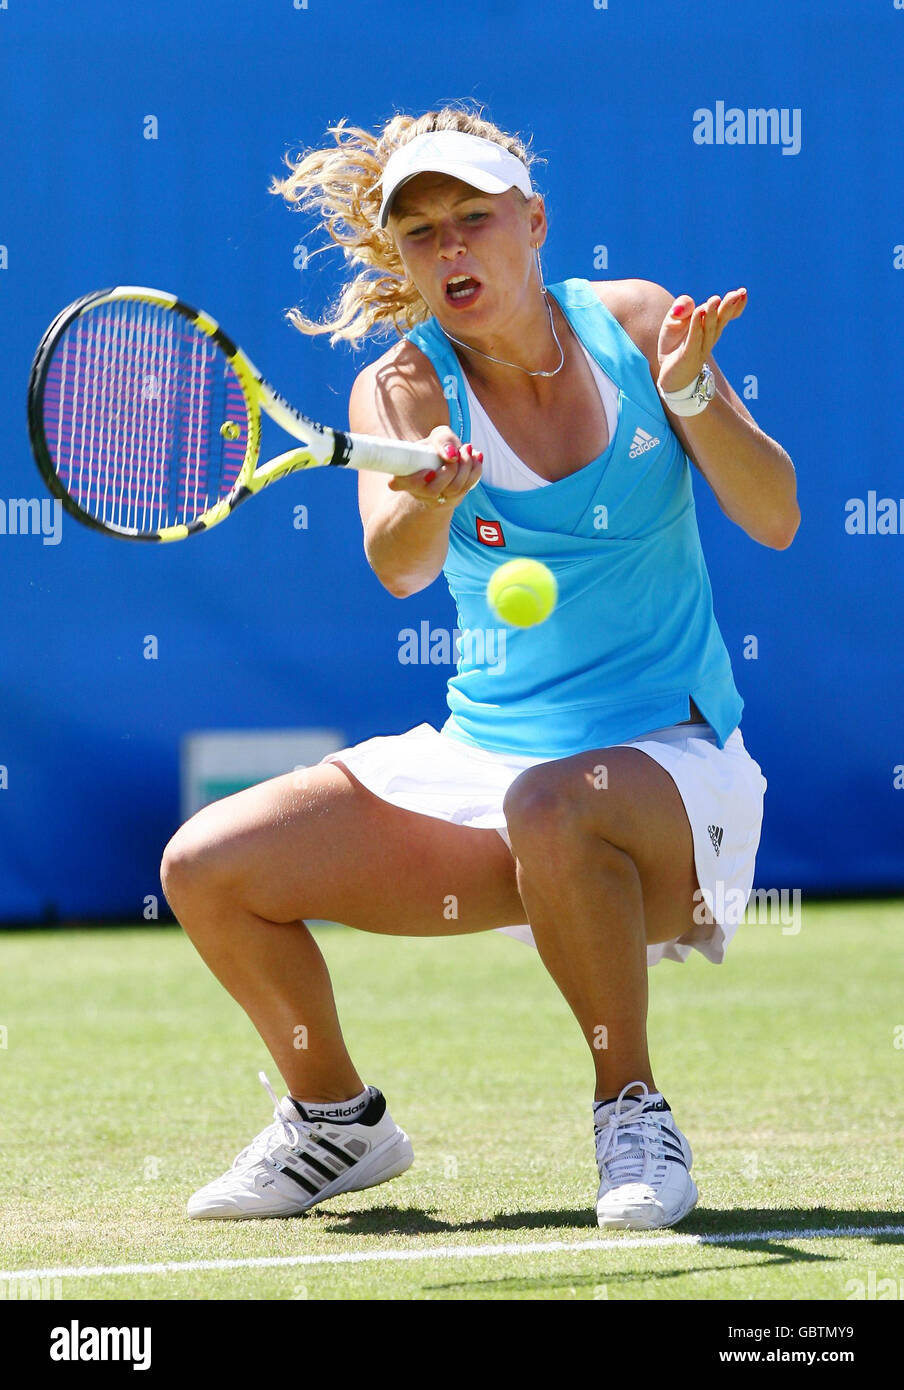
(450, 1252)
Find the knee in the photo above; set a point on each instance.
(540, 809)
(193, 863)
(552, 828)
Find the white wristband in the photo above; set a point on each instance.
(690, 400)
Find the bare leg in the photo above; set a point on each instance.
(243, 874)
(603, 873)
(598, 959)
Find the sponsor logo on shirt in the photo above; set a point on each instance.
(489, 532)
(641, 443)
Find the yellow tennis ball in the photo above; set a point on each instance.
(522, 592)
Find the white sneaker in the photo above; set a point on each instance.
(301, 1160)
(644, 1162)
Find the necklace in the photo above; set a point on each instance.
(498, 360)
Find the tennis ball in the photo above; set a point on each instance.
(522, 592)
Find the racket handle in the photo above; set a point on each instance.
(370, 452)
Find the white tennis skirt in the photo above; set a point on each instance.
(722, 789)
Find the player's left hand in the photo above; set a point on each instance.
(689, 333)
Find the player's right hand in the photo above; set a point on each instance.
(459, 467)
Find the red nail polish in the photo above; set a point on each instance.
(678, 311)
(450, 451)
(428, 477)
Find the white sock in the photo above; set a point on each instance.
(656, 1097)
(338, 1111)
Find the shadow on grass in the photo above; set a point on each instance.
(716, 1227)
(596, 1279)
(771, 1250)
(416, 1221)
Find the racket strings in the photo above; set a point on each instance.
(134, 401)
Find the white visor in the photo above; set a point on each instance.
(481, 163)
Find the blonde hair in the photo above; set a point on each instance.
(342, 184)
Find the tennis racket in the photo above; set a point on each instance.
(145, 419)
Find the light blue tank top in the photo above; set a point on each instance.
(633, 635)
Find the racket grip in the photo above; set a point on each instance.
(370, 452)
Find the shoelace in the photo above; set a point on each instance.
(630, 1130)
(290, 1132)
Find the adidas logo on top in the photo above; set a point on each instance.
(641, 443)
(715, 834)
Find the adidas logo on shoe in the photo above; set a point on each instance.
(715, 834)
(642, 443)
(308, 1155)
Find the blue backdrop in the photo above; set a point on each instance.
(654, 170)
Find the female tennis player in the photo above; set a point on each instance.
(592, 794)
